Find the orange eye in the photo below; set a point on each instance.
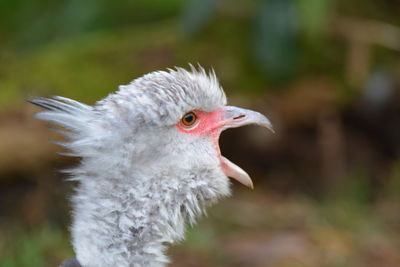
(189, 119)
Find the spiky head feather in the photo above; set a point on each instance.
(140, 180)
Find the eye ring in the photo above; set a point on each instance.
(189, 119)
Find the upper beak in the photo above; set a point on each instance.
(233, 117)
(236, 117)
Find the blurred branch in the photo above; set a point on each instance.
(361, 34)
(331, 143)
(368, 32)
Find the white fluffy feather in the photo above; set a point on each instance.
(140, 180)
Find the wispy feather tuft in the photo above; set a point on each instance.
(71, 115)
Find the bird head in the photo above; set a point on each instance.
(150, 161)
(174, 119)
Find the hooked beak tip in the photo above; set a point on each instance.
(264, 122)
(237, 117)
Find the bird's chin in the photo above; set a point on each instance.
(233, 171)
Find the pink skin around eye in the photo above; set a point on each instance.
(208, 124)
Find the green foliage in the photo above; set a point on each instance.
(276, 37)
(195, 14)
(45, 246)
(315, 16)
(30, 24)
(85, 69)
(90, 67)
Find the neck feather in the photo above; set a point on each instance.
(128, 222)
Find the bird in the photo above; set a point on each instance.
(150, 163)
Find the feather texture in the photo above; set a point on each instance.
(140, 180)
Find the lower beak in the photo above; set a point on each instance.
(233, 117)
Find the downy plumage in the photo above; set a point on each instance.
(150, 163)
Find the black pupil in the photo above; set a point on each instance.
(189, 118)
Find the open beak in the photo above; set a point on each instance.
(233, 117)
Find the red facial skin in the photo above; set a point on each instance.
(207, 124)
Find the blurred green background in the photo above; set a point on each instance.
(327, 73)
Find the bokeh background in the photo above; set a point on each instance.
(326, 72)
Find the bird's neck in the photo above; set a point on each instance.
(128, 222)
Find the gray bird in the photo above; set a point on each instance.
(150, 163)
